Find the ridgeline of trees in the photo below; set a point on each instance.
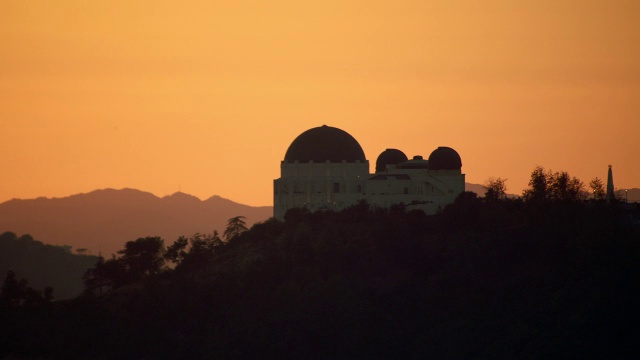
(543, 276)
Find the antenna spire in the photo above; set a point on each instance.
(610, 192)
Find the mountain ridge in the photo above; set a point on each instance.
(103, 220)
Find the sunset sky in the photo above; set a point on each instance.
(206, 96)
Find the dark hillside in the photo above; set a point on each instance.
(44, 265)
(502, 280)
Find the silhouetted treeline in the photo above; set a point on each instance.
(44, 265)
(483, 279)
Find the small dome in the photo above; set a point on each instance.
(389, 157)
(324, 143)
(444, 158)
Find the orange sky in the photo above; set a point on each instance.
(206, 96)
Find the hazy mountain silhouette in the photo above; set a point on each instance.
(481, 190)
(103, 220)
(632, 195)
(476, 188)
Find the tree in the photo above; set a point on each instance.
(597, 188)
(553, 186)
(177, 251)
(537, 190)
(12, 290)
(496, 189)
(105, 276)
(464, 212)
(16, 293)
(139, 259)
(235, 227)
(143, 256)
(202, 249)
(563, 187)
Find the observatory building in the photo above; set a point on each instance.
(325, 168)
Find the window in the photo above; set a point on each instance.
(336, 188)
(406, 190)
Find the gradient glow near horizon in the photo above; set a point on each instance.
(206, 96)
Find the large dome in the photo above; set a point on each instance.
(324, 143)
(389, 157)
(444, 158)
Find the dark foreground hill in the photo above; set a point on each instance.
(507, 280)
(103, 220)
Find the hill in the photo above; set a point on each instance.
(103, 220)
(44, 265)
(501, 280)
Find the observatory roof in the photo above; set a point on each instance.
(324, 143)
(444, 158)
(389, 157)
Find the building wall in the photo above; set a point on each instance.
(336, 186)
(426, 190)
(319, 186)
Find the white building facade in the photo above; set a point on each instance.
(325, 168)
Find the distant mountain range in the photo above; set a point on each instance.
(476, 188)
(102, 221)
(481, 190)
(631, 195)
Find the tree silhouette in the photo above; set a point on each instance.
(12, 290)
(553, 186)
(236, 226)
(143, 256)
(105, 276)
(496, 189)
(16, 293)
(202, 248)
(193, 251)
(597, 187)
(563, 187)
(177, 252)
(139, 259)
(537, 190)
